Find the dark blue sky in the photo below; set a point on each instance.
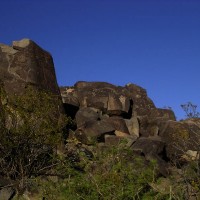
(153, 43)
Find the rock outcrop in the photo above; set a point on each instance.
(108, 113)
(26, 63)
(104, 113)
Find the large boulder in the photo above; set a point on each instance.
(85, 115)
(94, 131)
(133, 125)
(142, 104)
(150, 125)
(180, 137)
(25, 62)
(153, 148)
(26, 70)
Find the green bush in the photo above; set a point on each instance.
(112, 173)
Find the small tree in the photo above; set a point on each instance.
(191, 110)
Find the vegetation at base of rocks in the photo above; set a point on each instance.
(30, 134)
(109, 173)
(32, 129)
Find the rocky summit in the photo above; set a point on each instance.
(103, 114)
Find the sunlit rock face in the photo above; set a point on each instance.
(106, 113)
(26, 63)
(101, 109)
(22, 65)
(110, 99)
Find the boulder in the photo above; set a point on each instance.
(91, 128)
(153, 148)
(94, 131)
(87, 114)
(118, 124)
(142, 104)
(25, 62)
(180, 137)
(133, 126)
(149, 146)
(118, 104)
(164, 114)
(113, 140)
(70, 102)
(150, 124)
(26, 68)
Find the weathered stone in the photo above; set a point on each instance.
(180, 137)
(133, 125)
(26, 66)
(121, 134)
(25, 62)
(153, 149)
(111, 99)
(142, 104)
(151, 145)
(150, 124)
(118, 104)
(94, 131)
(143, 124)
(85, 115)
(118, 124)
(164, 114)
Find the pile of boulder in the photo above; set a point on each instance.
(109, 114)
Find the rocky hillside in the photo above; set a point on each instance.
(104, 114)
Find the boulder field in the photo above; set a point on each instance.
(104, 113)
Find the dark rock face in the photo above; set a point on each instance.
(25, 62)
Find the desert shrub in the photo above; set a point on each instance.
(30, 135)
(112, 173)
(190, 110)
